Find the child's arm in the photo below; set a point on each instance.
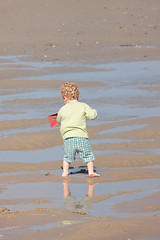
(90, 113)
(59, 118)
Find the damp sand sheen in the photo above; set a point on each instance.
(124, 139)
(118, 74)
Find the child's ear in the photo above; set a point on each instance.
(64, 99)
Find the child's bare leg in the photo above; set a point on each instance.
(91, 173)
(66, 191)
(65, 168)
(90, 190)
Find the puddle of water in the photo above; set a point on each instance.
(130, 46)
(105, 208)
(11, 132)
(27, 65)
(34, 94)
(44, 155)
(34, 190)
(123, 73)
(144, 167)
(6, 229)
(52, 225)
(148, 151)
(44, 227)
(128, 151)
(123, 128)
(115, 112)
(22, 173)
(34, 228)
(74, 171)
(56, 153)
(78, 200)
(119, 140)
(119, 99)
(148, 238)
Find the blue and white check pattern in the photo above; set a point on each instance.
(78, 145)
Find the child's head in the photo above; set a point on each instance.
(69, 91)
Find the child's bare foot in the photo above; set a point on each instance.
(94, 175)
(64, 175)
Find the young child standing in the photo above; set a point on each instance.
(72, 118)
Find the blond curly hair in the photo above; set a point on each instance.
(70, 91)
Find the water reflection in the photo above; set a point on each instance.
(82, 206)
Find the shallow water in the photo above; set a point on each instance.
(123, 128)
(152, 238)
(53, 192)
(44, 155)
(120, 98)
(73, 171)
(129, 151)
(34, 228)
(56, 153)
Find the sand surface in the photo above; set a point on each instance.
(112, 50)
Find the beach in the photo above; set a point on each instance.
(111, 49)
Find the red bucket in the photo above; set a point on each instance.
(53, 120)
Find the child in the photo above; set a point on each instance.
(72, 118)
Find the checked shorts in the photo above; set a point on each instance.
(78, 145)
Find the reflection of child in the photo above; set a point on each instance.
(83, 206)
(72, 118)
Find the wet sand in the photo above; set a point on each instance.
(111, 49)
